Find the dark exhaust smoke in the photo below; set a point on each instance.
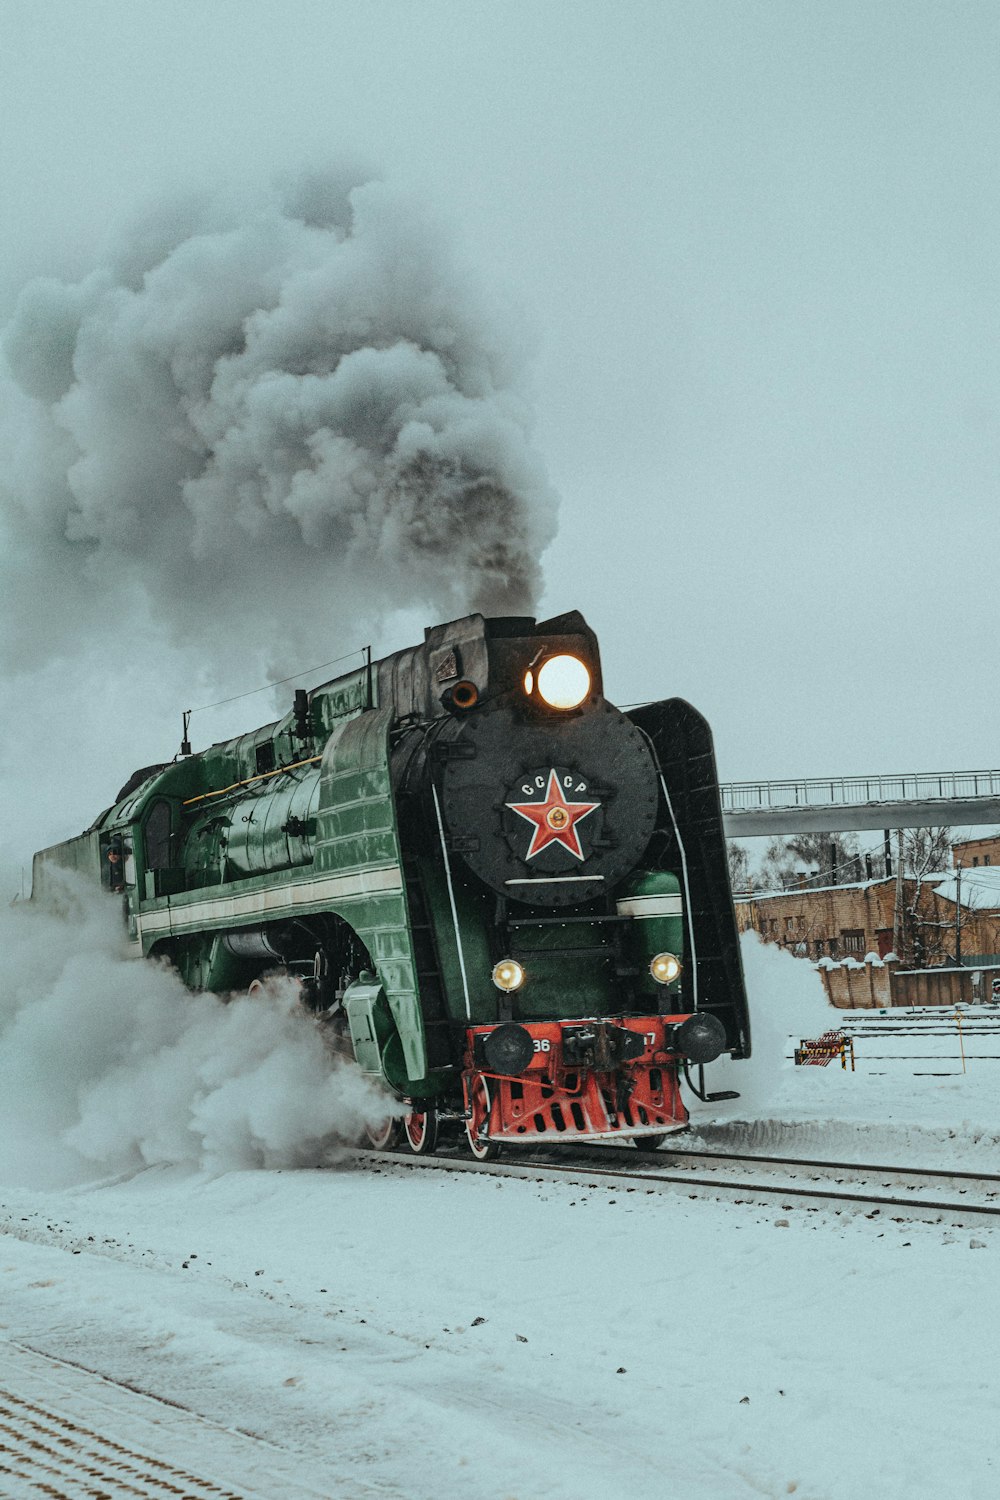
(266, 419)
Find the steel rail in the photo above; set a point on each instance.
(636, 1165)
(653, 1181)
(873, 1168)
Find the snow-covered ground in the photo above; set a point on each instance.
(331, 1330)
(908, 1101)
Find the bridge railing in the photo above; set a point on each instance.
(856, 791)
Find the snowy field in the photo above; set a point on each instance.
(176, 1219)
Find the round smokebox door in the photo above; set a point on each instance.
(552, 812)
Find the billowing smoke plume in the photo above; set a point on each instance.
(265, 422)
(108, 1064)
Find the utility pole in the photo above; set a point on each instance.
(897, 916)
(958, 914)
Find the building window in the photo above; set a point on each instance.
(774, 925)
(975, 860)
(818, 946)
(986, 859)
(854, 941)
(789, 921)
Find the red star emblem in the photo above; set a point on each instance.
(554, 820)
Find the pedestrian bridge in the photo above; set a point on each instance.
(838, 804)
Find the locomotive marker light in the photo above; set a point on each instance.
(665, 968)
(460, 697)
(508, 975)
(563, 682)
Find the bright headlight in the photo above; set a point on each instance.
(508, 974)
(665, 968)
(563, 681)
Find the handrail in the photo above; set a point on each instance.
(249, 780)
(857, 791)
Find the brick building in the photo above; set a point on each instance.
(836, 921)
(851, 921)
(975, 853)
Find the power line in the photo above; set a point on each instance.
(307, 672)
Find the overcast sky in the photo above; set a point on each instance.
(755, 246)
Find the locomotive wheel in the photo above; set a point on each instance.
(260, 988)
(479, 1102)
(255, 989)
(385, 1136)
(420, 1127)
(648, 1142)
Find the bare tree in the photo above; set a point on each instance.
(739, 868)
(811, 859)
(925, 852)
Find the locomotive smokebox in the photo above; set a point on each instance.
(547, 810)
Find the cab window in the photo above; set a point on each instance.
(118, 863)
(157, 836)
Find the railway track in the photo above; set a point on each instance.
(70, 1432)
(791, 1181)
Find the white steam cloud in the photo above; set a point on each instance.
(266, 419)
(787, 1000)
(108, 1064)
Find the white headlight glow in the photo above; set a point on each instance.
(665, 968)
(508, 974)
(563, 681)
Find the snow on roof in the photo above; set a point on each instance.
(810, 890)
(938, 878)
(980, 887)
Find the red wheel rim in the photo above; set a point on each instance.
(383, 1136)
(480, 1105)
(421, 1129)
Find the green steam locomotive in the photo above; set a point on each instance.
(506, 899)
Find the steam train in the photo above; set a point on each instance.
(505, 898)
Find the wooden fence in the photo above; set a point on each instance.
(869, 986)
